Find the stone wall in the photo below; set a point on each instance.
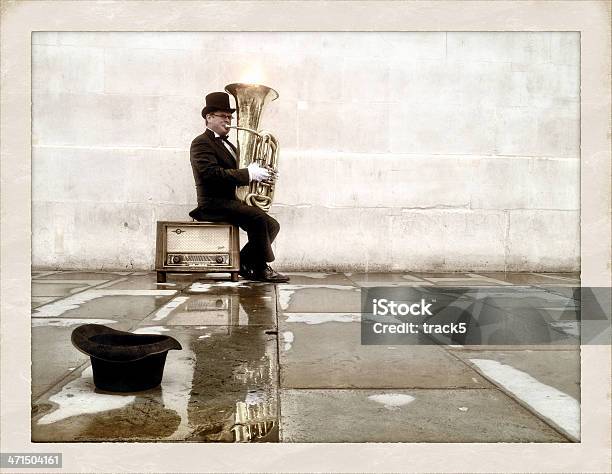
(399, 151)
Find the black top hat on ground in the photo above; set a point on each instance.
(122, 361)
(217, 101)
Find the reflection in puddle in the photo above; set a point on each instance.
(255, 417)
(254, 420)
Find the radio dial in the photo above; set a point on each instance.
(176, 259)
(219, 259)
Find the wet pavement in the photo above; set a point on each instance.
(285, 363)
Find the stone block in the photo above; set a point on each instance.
(133, 39)
(305, 179)
(67, 69)
(253, 42)
(321, 78)
(402, 181)
(526, 183)
(341, 239)
(438, 239)
(173, 212)
(411, 45)
(366, 81)
(521, 47)
(160, 177)
(95, 120)
(550, 83)
(543, 241)
(313, 134)
(118, 176)
(395, 45)
(280, 118)
(422, 81)
(45, 37)
(181, 120)
(143, 71)
(565, 48)
(61, 174)
(424, 128)
(366, 131)
(538, 131)
(92, 235)
(452, 82)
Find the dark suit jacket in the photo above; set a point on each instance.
(214, 170)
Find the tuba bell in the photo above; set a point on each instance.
(254, 145)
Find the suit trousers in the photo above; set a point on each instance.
(260, 227)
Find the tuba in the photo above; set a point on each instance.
(254, 145)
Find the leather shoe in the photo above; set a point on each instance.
(246, 272)
(270, 276)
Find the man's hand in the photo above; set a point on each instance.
(273, 175)
(257, 173)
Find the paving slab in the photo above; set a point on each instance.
(41, 300)
(516, 296)
(409, 416)
(61, 288)
(387, 279)
(148, 281)
(570, 290)
(317, 278)
(548, 383)
(41, 273)
(532, 278)
(558, 369)
(246, 307)
(53, 355)
(465, 280)
(325, 351)
(423, 275)
(80, 275)
(491, 322)
(319, 299)
(106, 304)
(229, 287)
(220, 387)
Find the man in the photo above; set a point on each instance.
(214, 161)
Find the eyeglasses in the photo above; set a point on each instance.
(224, 116)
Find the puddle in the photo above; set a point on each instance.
(204, 287)
(57, 308)
(392, 401)
(79, 398)
(150, 330)
(309, 275)
(549, 402)
(320, 318)
(286, 292)
(288, 340)
(166, 309)
(63, 323)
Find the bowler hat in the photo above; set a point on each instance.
(217, 101)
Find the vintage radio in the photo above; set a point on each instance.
(208, 247)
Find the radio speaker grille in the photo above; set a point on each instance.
(198, 239)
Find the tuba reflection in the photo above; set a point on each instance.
(254, 145)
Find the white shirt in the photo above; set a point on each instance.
(229, 148)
